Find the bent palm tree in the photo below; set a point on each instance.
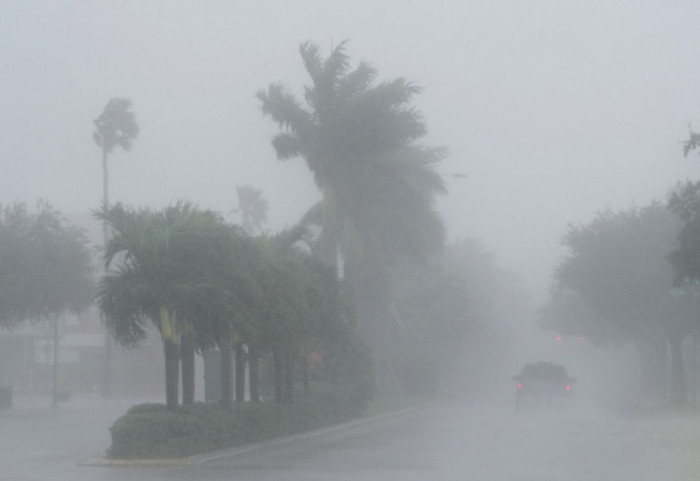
(165, 271)
(115, 127)
(359, 139)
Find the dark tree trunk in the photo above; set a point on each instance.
(240, 372)
(305, 374)
(172, 372)
(254, 372)
(277, 367)
(187, 360)
(226, 348)
(679, 395)
(288, 391)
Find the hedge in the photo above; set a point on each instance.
(152, 431)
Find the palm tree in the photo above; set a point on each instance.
(115, 127)
(252, 207)
(359, 139)
(165, 272)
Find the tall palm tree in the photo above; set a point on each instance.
(359, 139)
(115, 127)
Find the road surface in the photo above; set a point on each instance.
(480, 441)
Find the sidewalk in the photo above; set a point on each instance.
(38, 438)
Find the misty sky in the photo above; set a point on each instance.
(553, 110)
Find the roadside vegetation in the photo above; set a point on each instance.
(633, 276)
(360, 300)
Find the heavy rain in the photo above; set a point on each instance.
(349, 240)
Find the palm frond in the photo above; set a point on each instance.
(284, 109)
(311, 56)
(356, 82)
(286, 146)
(116, 126)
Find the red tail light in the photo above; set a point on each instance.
(520, 385)
(568, 388)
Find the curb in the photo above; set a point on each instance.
(197, 459)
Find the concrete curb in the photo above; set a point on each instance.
(244, 449)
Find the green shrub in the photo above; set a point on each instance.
(152, 431)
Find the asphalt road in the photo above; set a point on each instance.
(479, 441)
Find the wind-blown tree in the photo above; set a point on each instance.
(359, 139)
(252, 207)
(456, 312)
(45, 265)
(281, 316)
(45, 269)
(617, 282)
(115, 127)
(166, 270)
(303, 312)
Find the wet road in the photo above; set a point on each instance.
(458, 441)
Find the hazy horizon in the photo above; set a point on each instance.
(552, 110)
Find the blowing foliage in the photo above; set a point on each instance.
(360, 139)
(45, 265)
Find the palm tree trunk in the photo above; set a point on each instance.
(172, 368)
(277, 367)
(226, 348)
(240, 372)
(107, 366)
(171, 349)
(288, 390)
(253, 372)
(187, 360)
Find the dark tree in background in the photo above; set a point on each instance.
(359, 138)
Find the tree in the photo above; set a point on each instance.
(359, 139)
(45, 269)
(616, 282)
(303, 312)
(45, 265)
(456, 312)
(692, 143)
(115, 127)
(252, 207)
(167, 270)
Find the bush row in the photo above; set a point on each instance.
(152, 431)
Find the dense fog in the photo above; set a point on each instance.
(557, 119)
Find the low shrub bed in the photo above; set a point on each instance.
(152, 431)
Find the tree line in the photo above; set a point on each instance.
(633, 275)
(204, 283)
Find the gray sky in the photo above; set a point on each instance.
(553, 109)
